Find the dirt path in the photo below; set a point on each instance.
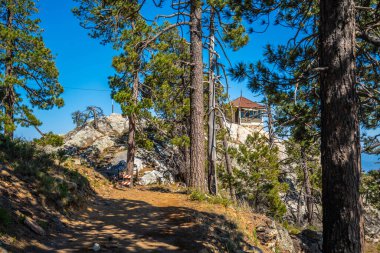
(138, 221)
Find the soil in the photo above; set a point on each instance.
(145, 219)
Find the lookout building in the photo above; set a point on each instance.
(247, 112)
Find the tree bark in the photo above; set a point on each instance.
(307, 186)
(197, 150)
(228, 162)
(340, 147)
(270, 123)
(9, 99)
(132, 131)
(212, 177)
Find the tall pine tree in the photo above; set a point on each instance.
(28, 75)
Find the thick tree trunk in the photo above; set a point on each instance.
(212, 177)
(197, 178)
(10, 96)
(132, 131)
(307, 186)
(340, 147)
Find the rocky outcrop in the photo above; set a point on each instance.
(308, 241)
(108, 130)
(275, 237)
(371, 224)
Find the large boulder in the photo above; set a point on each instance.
(156, 177)
(104, 136)
(84, 137)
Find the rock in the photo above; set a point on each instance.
(260, 229)
(34, 226)
(96, 247)
(122, 157)
(117, 122)
(371, 223)
(103, 143)
(308, 241)
(156, 177)
(83, 138)
(151, 177)
(114, 169)
(49, 149)
(274, 236)
(5, 173)
(284, 241)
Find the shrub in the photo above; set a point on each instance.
(216, 200)
(370, 187)
(50, 139)
(256, 178)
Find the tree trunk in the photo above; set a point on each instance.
(197, 152)
(270, 124)
(340, 147)
(307, 186)
(299, 208)
(228, 162)
(132, 131)
(212, 177)
(10, 96)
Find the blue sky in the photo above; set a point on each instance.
(85, 64)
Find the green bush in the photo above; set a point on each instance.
(50, 139)
(256, 179)
(52, 180)
(370, 188)
(197, 196)
(216, 200)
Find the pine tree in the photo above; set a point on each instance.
(28, 75)
(340, 139)
(256, 180)
(295, 70)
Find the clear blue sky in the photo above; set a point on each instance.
(85, 64)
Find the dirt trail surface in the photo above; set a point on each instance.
(139, 220)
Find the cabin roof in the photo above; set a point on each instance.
(243, 102)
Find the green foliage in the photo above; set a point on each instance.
(60, 185)
(28, 75)
(293, 230)
(50, 139)
(370, 187)
(256, 180)
(311, 159)
(196, 195)
(287, 76)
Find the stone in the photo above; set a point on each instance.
(284, 241)
(103, 143)
(83, 138)
(151, 177)
(96, 247)
(5, 173)
(260, 229)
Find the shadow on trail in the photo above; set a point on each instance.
(136, 226)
